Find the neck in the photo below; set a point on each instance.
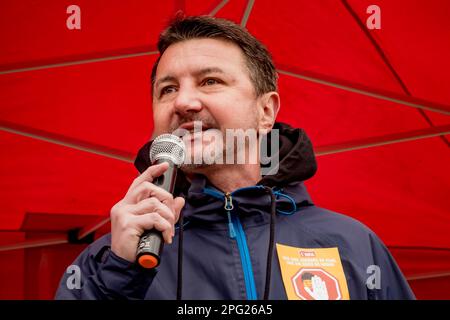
(228, 178)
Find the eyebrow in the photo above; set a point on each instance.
(206, 71)
(164, 79)
(199, 73)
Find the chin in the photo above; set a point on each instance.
(196, 168)
(204, 166)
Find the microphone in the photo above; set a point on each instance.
(165, 148)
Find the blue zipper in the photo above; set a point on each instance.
(236, 231)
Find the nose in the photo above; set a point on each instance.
(187, 100)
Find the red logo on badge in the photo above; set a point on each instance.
(316, 284)
(307, 253)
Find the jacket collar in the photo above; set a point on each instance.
(205, 203)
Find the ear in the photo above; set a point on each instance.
(269, 105)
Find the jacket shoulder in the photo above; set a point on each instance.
(355, 240)
(359, 247)
(333, 224)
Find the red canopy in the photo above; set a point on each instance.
(75, 108)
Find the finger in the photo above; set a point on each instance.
(149, 205)
(317, 282)
(153, 205)
(314, 283)
(153, 220)
(150, 174)
(324, 286)
(146, 190)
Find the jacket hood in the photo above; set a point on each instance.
(297, 161)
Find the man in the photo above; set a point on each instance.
(244, 235)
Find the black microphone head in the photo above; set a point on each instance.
(168, 147)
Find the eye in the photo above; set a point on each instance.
(167, 90)
(210, 81)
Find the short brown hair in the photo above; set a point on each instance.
(258, 59)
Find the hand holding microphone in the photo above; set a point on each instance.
(148, 212)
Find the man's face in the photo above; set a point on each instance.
(204, 80)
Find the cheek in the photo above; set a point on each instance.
(161, 120)
(234, 112)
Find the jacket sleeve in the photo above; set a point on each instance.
(98, 273)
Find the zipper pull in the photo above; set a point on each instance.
(228, 202)
(231, 227)
(228, 207)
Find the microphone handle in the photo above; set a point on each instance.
(151, 243)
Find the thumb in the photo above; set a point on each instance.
(310, 292)
(178, 204)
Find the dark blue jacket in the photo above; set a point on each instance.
(225, 252)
